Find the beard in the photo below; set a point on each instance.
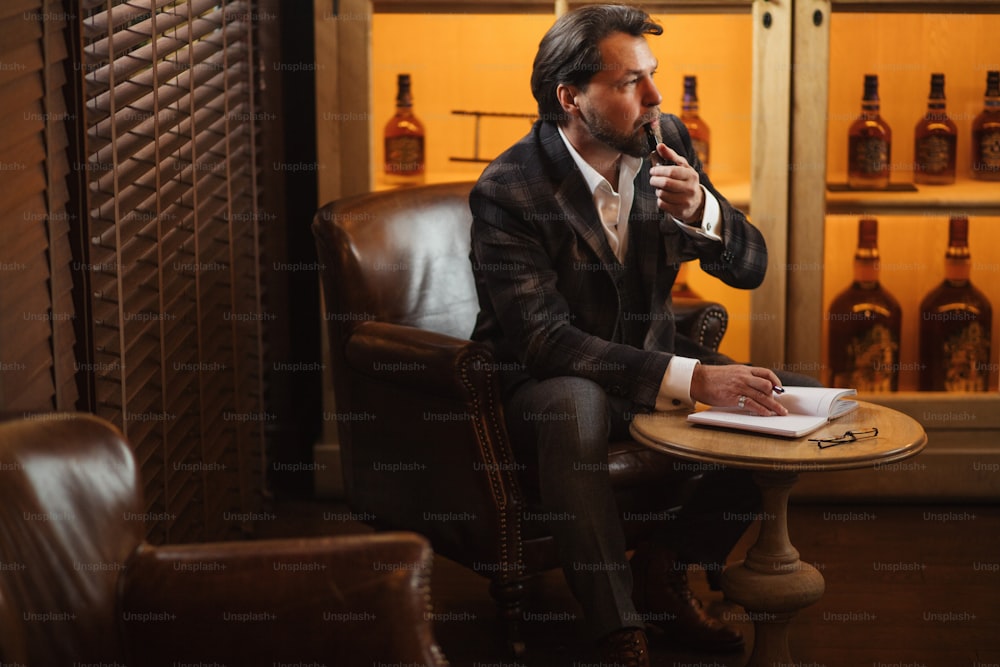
(628, 142)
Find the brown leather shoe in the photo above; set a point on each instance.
(624, 648)
(664, 600)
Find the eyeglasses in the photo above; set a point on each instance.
(849, 436)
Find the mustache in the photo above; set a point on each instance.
(652, 118)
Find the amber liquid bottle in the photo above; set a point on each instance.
(696, 127)
(865, 322)
(955, 323)
(935, 140)
(986, 133)
(404, 140)
(869, 143)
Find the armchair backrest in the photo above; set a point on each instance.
(70, 517)
(400, 256)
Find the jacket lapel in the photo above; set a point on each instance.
(574, 197)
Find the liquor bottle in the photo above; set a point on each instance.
(955, 323)
(986, 133)
(869, 143)
(404, 139)
(934, 140)
(696, 127)
(865, 323)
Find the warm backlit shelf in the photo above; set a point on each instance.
(738, 194)
(918, 6)
(431, 179)
(965, 195)
(548, 6)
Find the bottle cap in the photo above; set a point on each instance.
(868, 233)
(690, 89)
(403, 98)
(937, 86)
(958, 230)
(992, 81)
(871, 86)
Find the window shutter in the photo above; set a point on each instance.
(174, 245)
(37, 363)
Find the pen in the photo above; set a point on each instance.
(652, 141)
(778, 390)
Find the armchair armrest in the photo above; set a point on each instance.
(418, 359)
(350, 600)
(430, 416)
(701, 321)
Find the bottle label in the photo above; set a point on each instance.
(989, 152)
(966, 355)
(871, 156)
(871, 356)
(404, 156)
(934, 154)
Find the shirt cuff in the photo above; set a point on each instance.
(675, 387)
(711, 219)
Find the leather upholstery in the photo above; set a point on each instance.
(418, 406)
(68, 527)
(78, 585)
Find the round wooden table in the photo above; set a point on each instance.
(771, 583)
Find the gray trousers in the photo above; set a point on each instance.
(567, 422)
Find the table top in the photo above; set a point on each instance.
(899, 437)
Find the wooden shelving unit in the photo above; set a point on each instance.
(962, 461)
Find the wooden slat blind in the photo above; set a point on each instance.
(174, 253)
(37, 363)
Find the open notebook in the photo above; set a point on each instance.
(808, 409)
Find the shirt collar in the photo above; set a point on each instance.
(628, 168)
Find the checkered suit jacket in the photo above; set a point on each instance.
(548, 281)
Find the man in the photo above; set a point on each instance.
(576, 241)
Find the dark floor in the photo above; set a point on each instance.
(906, 586)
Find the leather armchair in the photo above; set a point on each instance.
(418, 408)
(78, 585)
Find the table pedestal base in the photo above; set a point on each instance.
(772, 584)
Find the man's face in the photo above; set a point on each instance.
(621, 97)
